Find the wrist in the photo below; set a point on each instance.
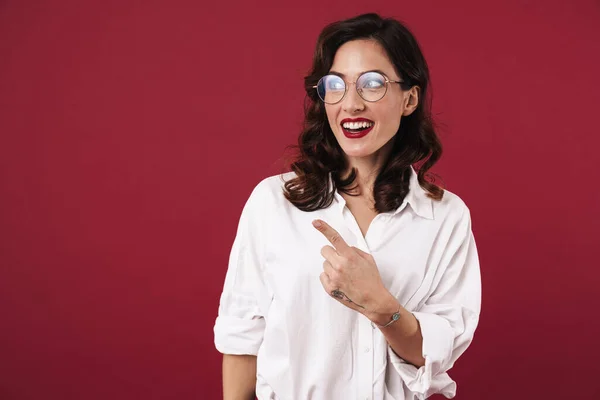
(383, 312)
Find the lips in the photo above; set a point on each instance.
(356, 134)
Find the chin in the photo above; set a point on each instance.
(357, 152)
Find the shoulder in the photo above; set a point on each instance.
(269, 191)
(265, 202)
(451, 207)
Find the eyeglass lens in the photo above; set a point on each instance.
(371, 86)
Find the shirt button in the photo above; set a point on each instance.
(367, 349)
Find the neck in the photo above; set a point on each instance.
(366, 173)
(367, 169)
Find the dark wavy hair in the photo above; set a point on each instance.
(318, 152)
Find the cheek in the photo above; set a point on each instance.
(331, 116)
(390, 118)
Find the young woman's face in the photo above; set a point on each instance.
(352, 60)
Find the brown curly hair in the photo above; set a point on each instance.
(318, 152)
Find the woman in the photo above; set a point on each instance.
(353, 277)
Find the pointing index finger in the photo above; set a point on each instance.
(332, 235)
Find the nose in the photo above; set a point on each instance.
(352, 102)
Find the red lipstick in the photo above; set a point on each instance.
(356, 134)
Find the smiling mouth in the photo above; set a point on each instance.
(357, 133)
(357, 127)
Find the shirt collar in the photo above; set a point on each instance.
(417, 197)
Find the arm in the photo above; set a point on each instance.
(239, 377)
(245, 300)
(424, 345)
(404, 336)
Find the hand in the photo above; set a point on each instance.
(349, 274)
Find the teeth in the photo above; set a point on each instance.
(357, 125)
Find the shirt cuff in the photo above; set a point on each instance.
(438, 340)
(238, 336)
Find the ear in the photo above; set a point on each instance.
(411, 100)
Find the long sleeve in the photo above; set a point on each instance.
(245, 298)
(448, 316)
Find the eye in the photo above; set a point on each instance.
(334, 83)
(373, 84)
(371, 81)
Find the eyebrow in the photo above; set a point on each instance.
(364, 72)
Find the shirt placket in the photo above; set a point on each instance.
(365, 356)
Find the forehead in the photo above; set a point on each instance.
(358, 56)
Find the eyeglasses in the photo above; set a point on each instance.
(371, 86)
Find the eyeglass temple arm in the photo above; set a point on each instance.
(316, 86)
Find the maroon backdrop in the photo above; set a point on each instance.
(132, 132)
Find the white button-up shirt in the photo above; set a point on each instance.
(308, 345)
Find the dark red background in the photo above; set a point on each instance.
(132, 132)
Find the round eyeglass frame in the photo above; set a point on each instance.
(346, 84)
